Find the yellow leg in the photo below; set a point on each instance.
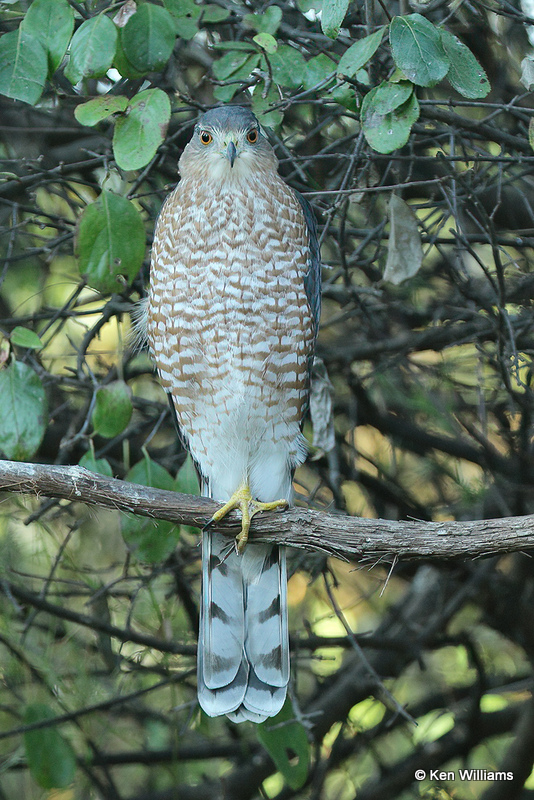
(243, 500)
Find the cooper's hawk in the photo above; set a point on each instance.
(232, 320)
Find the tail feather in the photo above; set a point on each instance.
(262, 699)
(225, 700)
(244, 715)
(243, 661)
(266, 625)
(222, 621)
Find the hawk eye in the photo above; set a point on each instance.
(252, 136)
(206, 137)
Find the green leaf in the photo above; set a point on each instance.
(186, 28)
(225, 93)
(389, 96)
(24, 337)
(148, 38)
(266, 42)
(287, 745)
(52, 23)
(50, 757)
(150, 473)
(98, 465)
(288, 66)
(345, 96)
(318, 69)
(150, 540)
(94, 111)
(388, 132)
(142, 129)
(92, 49)
(332, 17)
(186, 16)
(263, 107)
(359, 54)
(228, 64)
(23, 66)
(110, 242)
(269, 22)
(121, 63)
(405, 251)
(23, 415)
(183, 8)
(309, 5)
(233, 46)
(531, 132)
(417, 49)
(465, 73)
(213, 14)
(113, 409)
(187, 483)
(242, 73)
(187, 478)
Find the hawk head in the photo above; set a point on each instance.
(227, 145)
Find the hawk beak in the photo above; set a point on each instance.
(231, 153)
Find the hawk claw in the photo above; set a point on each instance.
(243, 500)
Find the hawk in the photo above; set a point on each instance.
(233, 312)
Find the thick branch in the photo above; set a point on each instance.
(335, 534)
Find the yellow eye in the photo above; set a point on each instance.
(206, 138)
(252, 136)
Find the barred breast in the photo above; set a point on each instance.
(230, 328)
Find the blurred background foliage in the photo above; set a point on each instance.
(431, 384)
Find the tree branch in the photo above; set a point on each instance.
(338, 535)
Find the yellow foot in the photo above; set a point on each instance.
(243, 500)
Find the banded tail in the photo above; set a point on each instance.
(243, 646)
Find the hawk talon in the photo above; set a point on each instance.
(243, 500)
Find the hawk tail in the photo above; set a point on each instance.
(243, 646)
